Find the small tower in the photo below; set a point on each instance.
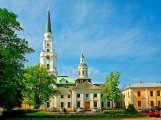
(48, 57)
(82, 71)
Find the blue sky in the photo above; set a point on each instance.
(115, 35)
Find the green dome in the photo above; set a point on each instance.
(65, 80)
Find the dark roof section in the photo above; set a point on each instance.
(48, 23)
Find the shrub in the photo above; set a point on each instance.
(130, 110)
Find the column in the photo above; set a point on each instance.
(92, 100)
(99, 100)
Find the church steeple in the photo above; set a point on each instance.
(48, 56)
(48, 23)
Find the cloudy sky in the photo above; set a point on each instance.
(115, 35)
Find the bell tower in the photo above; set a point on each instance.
(82, 71)
(48, 57)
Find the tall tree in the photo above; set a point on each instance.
(39, 85)
(110, 90)
(12, 58)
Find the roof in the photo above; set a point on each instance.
(48, 23)
(86, 85)
(65, 80)
(143, 85)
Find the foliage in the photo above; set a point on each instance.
(130, 110)
(12, 58)
(38, 85)
(15, 113)
(113, 111)
(110, 91)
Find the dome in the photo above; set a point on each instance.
(82, 65)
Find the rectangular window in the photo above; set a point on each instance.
(95, 95)
(87, 95)
(158, 103)
(108, 104)
(69, 104)
(62, 104)
(151, 103)
(48, 105)
(95, 103)
(68, 96)
(139, 103)
(151, 93)
(78, 104)
(78, 95)
(138, 93)
(158, 93)
(62, 96)
(102, 105)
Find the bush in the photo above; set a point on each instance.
(113, 112)
(130, 110)
(15, 113)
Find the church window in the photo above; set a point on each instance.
(78, 104)
(83, 72)
(68, 96)
(108, 104)
(48, 45)
(48, 50)
(48, 66)
(62, 104)
(62, 96)
(48, 57)
(47, 104)
(78, 95)
(95, 103)
(69, 104)
(79, 72)
(102, 104)
(87, 95)
(95, 95)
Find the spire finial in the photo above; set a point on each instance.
(82, 56)
(48, 23)
(48, 8)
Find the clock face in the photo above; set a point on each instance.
(47, 57)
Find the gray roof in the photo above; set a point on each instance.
(143, 85)
(48, 23)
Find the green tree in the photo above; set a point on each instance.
(39, 85)
(12, 58)
(110, 91)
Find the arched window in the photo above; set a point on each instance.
(48, 50)
(83, 72)
(79, 72)
(48, 66)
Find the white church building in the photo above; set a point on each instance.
(74, 93)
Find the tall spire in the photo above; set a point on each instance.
(48, 23)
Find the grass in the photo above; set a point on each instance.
(37, 114)
(64, 119)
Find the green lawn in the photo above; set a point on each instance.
(64, 119)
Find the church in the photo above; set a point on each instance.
(74, 93)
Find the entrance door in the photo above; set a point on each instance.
(87, 105)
